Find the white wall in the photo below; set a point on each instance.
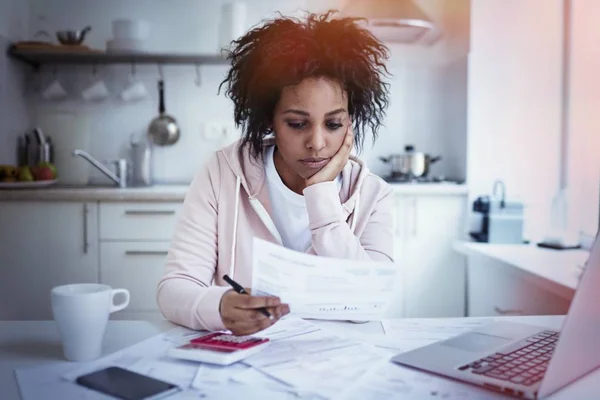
(584, 124)
(191, 26)
(514, 97)
(13, 109)
(14, 18)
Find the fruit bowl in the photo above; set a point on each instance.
(22, 177)
(27, 184)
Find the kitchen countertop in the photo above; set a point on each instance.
(558, 270)
(97, 193)
(167, 192)
(441, 189)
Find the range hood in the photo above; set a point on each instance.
(395, 21)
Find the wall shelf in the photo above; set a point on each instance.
(37, 57)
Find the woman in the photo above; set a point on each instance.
(297, 87)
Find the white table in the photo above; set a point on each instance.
(33, 343)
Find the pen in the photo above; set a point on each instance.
(239, 289)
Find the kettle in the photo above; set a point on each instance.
(412, 164)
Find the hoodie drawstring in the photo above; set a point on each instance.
(238, 183)
(356, 209)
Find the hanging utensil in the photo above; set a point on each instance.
(163, 130)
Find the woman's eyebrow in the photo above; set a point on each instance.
(339, 110)
(294, 111)
(306, 114)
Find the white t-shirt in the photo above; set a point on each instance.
(289, 208)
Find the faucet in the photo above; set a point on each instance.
(120, 178)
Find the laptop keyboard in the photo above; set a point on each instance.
(522, 363)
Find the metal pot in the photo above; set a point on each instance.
(410, 164)
(163, 130)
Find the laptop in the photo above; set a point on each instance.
(523, 360)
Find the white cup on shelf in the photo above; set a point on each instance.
(54, 91)
(95, 92)
(134, 92)
(125, 28)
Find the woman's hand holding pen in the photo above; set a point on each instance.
(242, 316)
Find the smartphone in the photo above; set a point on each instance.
(127, 385)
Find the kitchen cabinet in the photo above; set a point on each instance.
(42, 245)
(431, 280)
(134, 241)
(498, 290)
(137, 267)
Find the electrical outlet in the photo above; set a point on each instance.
(225, 132)
(213, 131)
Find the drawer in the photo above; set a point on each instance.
(138, 221)
(135, 266)
(495, 289)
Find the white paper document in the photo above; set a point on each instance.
(287, 327)
(322, 287)
(304, 359)
(387, 380)
(406, 335)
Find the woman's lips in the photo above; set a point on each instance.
(314, 162)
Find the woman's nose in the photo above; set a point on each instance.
(316, 140)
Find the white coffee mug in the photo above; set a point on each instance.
(81, 312)
(97, 91)
(54, 91)
(135, 91)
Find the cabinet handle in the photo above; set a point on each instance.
(508, 312)
(149, 212)
(86, 244)
(146, 252)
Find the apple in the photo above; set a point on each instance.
(42, 173)
(49, 165)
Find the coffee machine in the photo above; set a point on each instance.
(500, 221)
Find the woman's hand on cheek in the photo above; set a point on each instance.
(337, 163)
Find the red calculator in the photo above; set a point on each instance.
(220, 348)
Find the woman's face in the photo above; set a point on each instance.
(310, 123)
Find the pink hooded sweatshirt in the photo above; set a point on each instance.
(228, 204)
